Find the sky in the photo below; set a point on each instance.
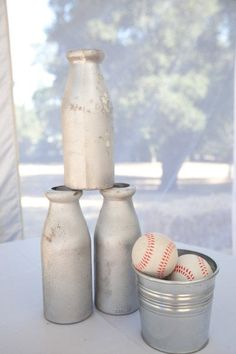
(27, 22)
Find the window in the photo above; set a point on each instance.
(169, 68)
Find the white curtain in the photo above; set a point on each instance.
(10, 208)
(234, 179)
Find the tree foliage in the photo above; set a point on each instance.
(169, 69)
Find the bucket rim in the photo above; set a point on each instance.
(182, 251)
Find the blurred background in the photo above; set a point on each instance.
(169, 68)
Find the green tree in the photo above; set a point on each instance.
(217, 140)
(165, 62)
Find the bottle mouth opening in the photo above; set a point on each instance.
(95, 55)
(121, 185)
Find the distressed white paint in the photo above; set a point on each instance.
(116, 231)
(66, 259)
(87, 124)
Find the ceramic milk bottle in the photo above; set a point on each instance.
(116, 231)
(66, 259)
(87, 126)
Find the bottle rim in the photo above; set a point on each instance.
(83, 55)
(119, 191)
(63, 194)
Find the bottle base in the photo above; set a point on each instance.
(116, 313)
(67, 322)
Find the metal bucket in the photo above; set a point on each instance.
(175, 315)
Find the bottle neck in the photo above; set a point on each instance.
(65, 207)
(84, 73)
(114, 199)
(115, 205)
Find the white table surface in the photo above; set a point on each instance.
(23, 329)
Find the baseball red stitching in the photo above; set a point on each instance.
(148, 253)
(187, 273)
(165, 259)
(202, 266)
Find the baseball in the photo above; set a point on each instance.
(154, 254)
(190, 267)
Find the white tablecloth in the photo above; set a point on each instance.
(23, 329)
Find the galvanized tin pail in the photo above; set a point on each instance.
(175, 315)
